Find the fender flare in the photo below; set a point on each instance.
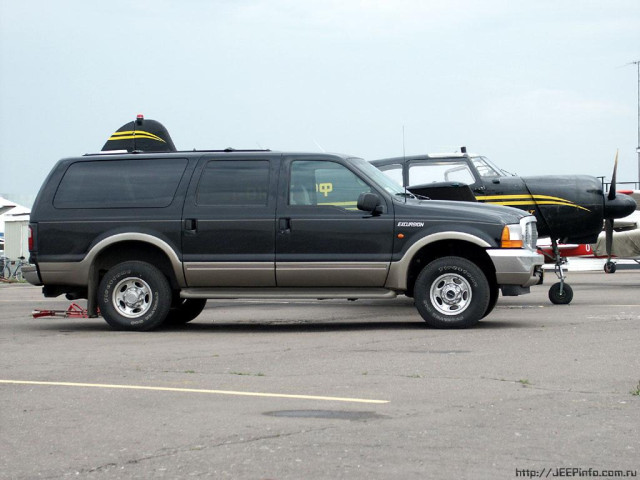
(398, 271)
(175, 261)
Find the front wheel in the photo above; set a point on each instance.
(560, 294)
(134, 296)
(452, 292)
(494, 293)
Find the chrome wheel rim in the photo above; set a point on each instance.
(450, 294)
(132, 297)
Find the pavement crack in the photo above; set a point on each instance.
(547, 389)
(193, 448)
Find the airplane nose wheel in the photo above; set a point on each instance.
(560, 293)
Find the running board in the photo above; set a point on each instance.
(287, 293)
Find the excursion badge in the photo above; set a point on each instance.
(411, 224)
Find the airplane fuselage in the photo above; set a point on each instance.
(568, 208)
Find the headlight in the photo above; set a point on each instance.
(511, 237)
(530, 233)
(520, 235)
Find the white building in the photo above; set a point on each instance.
(14, 224)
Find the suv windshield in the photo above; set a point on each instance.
(380, 178)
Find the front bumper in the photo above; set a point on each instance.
(519, 267)
(31, 275)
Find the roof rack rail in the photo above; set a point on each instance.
(137, 152)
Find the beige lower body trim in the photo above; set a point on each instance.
(331, 274)
(230, 274)
(64, 273)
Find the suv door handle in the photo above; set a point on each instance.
(190, 225)
(284, 225)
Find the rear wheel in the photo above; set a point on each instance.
(452, 292)
(183, 310)
(134, 296)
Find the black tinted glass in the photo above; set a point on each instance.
(238, 182)
(120, 184)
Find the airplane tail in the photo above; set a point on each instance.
(141, 135)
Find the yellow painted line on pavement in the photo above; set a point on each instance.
(194, 390)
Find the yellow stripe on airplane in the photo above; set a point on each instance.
(544, 202)
(522, 197)
(128, 135)
(135, 132)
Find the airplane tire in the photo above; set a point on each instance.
(609, 267)
(558, 298)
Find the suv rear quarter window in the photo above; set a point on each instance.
(120, 183)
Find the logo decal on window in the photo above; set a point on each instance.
(324, 188)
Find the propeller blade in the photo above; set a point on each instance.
(612, 187)
(608, 228)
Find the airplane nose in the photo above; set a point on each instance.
(619, 207)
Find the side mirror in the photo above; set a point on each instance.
(370, 202)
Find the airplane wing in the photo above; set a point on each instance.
(566, 250)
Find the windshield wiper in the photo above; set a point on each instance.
(405, 194)
(412, 195)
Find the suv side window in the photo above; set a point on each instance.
(120, 183)
(324, 183)
(234, 183)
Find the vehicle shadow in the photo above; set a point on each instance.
(65, 326)
(82, 325)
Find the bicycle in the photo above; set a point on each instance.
(16, 274)
(3, 263)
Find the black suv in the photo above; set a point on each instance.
(148, 237)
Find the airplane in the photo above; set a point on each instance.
(568, 208)
(625, 241)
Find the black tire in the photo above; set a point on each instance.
(610, 267)
(493, 299)
(558, 298)
(183, 310)
(452, 292)
(134, 296)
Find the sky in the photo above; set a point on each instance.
(539, 87)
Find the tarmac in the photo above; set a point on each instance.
(327, 389)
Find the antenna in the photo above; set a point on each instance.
(403, 152)
(404, 184)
